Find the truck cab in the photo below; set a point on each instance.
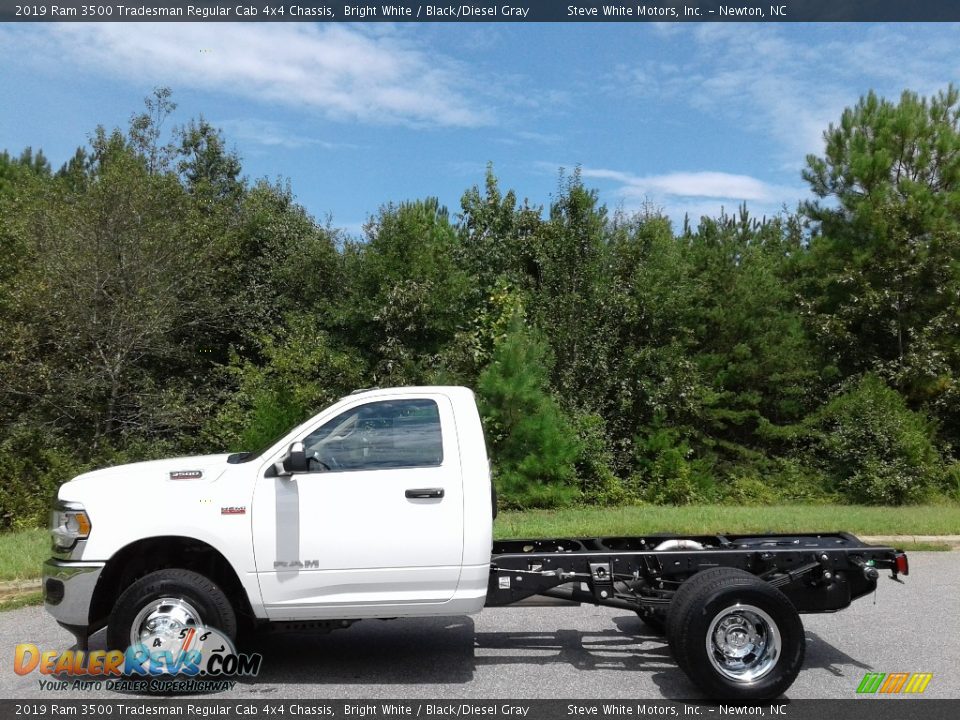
(378, 506)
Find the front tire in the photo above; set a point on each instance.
(165, 602)
(736, 636)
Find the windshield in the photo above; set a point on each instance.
(247, 456)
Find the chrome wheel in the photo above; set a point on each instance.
(164, 619)
(743, 643)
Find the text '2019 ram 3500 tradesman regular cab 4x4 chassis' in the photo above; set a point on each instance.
(381, 506)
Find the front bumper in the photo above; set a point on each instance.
(68, 590)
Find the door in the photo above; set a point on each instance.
(377, 520)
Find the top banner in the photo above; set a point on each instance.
(485, 11)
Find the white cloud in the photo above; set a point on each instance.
(696, 193)
(525, 137)
(347, 73)
(702, 184)
(269, 133)
(790, 83)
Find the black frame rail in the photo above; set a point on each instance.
(818, 572)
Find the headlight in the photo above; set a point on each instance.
(69, 522)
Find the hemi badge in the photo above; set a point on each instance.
(186, 474)
(233, 510)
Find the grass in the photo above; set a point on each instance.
(22, 553)
(13, 602)
(710, 519)
(923, 546)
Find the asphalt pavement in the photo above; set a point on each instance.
(570, 652)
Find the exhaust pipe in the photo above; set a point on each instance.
(678, 545)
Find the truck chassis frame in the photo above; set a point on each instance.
(819, 573)
(730, 605)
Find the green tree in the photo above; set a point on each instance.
(300, 370)
(496, 249)
(112, 319)
(653, 379)
(275, 261)
(752, 349)
(206, 166)
(146, 130)
(884, 265)
(115, 282)
(22, 180)
(410, 296)
(876, 449)
(532, 445)
(497, 236)
(14, 169)
(572, 302)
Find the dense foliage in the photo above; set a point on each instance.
(155, 301)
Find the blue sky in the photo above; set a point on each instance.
(689, 117)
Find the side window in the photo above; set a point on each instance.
(378, 436)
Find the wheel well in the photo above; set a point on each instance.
(157, 553)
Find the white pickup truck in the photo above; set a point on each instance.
(381, 506)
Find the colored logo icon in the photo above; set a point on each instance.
(894, 683)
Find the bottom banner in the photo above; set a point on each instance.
(859, 709)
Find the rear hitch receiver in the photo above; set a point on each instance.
(869, 571)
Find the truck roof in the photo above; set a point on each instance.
(412, 390)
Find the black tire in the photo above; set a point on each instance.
(759, 617)
(202, 594)
(655, 621)
(680, 600)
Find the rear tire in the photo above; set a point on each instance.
(735, 636)
(177, 598)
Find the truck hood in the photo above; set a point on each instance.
(197, 469)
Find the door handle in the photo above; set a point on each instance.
(424, 493)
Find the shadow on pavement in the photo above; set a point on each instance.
(821, 654)
(448, 650)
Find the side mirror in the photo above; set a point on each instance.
(294, 462)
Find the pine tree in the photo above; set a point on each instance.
(532, 444)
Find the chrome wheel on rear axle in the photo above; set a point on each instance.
(743, 643)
